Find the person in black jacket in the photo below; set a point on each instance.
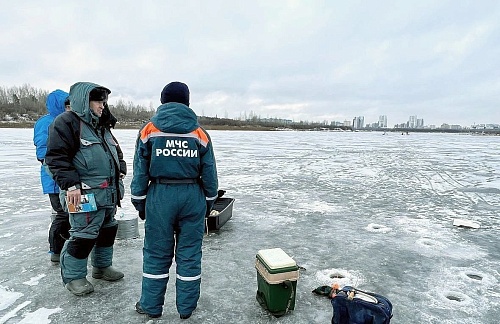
(85, 159)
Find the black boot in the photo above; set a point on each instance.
(139, 310)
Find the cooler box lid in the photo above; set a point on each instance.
(276, 259)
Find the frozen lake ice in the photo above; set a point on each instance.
(371, 210)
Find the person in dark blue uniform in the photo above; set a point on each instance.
(174, 186)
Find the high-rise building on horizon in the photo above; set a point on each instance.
(382, 121)
(358, 122)
(412, 122)
(420, 123)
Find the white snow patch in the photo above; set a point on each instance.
(369, 172)
(34, 280)
(40, 316)
(317, 206)
(13, 313)
(415, 226)
(8, 298)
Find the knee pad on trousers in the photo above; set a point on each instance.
(80, 247)
(106, 237)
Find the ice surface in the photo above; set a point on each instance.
(357, 208)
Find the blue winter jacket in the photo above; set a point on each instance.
(55, 106)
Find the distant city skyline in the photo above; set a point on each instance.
(412, 122)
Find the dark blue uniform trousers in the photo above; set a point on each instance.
(175, 224)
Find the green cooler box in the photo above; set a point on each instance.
(277, 276)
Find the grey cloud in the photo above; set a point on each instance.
(312, 60)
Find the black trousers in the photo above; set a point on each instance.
(59, 229)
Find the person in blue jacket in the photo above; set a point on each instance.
(57, 102)
(174, 186)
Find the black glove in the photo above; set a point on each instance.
(40, 160)
(140, 206)
(323, 291)
(220, 193)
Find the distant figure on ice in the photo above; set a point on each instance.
(57, 102)
(173, 187)
(84, 158)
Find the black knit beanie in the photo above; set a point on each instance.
(175, 92)
(99, 94)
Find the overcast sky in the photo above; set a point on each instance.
(301, 60)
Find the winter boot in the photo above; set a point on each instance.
(139, 310)
(80, 287)
(109, 273)
(54, 257)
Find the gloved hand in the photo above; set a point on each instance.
(220, 193)
(140, 206)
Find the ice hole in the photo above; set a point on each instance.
(455, 298)
(337, 276)
(474, 276)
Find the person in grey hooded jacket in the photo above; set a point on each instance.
(84, 158)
